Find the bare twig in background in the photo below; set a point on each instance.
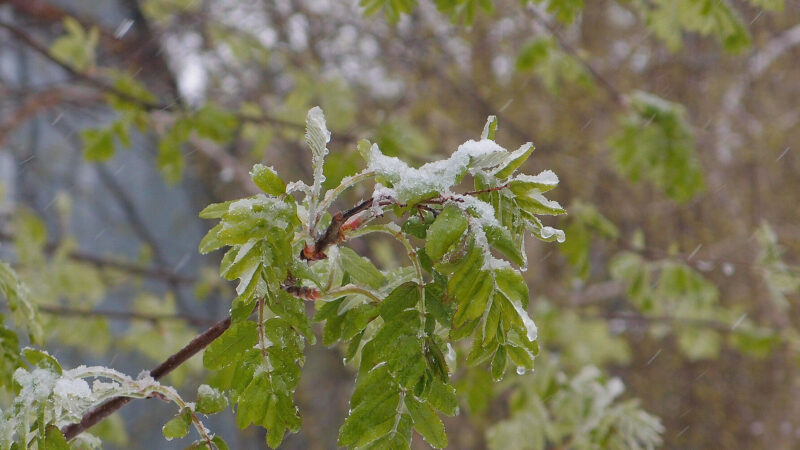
(115, 264)
(58, 310)
(613, 92)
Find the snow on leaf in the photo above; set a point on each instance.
(412, 185)
(317, 137)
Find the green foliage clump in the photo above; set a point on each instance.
(397, 326)
(655, 143)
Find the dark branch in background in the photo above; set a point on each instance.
(123, 315)
(96, 82)
(107, 408)
(144, 104)
(140, 228)
(36, 102)
(116, 264)
(632, 317)
(615, 94)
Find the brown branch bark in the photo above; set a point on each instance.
(107, 408)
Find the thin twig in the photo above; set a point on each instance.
(630, 316)
(107, 408)
(123, 315)
(615, 94)
(116, 264)
(174, 106)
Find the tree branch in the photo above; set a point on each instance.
(116, 264)
(633, 317)
(615, 94)
(123, 315)
(42, 50)
(107, 408)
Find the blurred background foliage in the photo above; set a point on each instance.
(672, 125)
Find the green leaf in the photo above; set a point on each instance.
(667, 18)
(418, 226)
(565, 10)
(655, 143)
(211, 241)
(445, 232)
(20, 303)
(219, 442)
(210, 400)
(473, 296)
(357, 319)
(385, 342)
(442, 397)
(426, 422)
(76, 48)
(490, 128)
(233, 342)
(215, 210)
(499, 364)
(54, 440)
(170, 160)
(403, 297)
(41, 359)
(501, 239)
(98, 145)
(178, 426)
(513, 161)
(361, 270)
(370, 419)
(215, 123)
(267, 180)
(435, 303)
(531, 55)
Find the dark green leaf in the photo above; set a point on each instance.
(401, 298)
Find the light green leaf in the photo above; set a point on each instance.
(445, 232)
(490, 128)
(267, 180)
(513, 161)
(210, 400)
(54, 439)
(178, 426)
(98, 144)
(41, 359)
(361, 269)
(656, 144)
(442, 397)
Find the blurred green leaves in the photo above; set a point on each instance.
(655, 143)
(76, 47)
(669, 18)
